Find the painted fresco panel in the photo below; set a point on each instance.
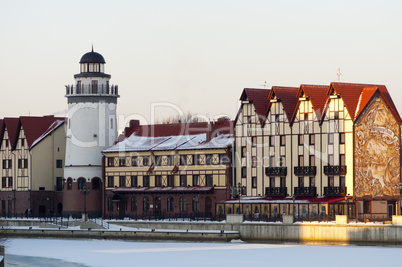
(377, 152)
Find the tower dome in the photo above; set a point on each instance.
(92, 57)
(92, 62)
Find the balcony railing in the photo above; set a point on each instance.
(89, 89)
(335, 191)
(305, 191)
(335, 170)
(276, 171)
(276, 191)
(305, 170)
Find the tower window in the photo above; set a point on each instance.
(111, 123)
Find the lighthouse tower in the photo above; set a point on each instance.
(91, 127)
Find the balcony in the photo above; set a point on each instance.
(305, 191)
(335, 191)
(276, 171)
(335, 170)
(89, 89)
(305, 170)
(276, 191)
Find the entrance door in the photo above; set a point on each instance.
(157, 207)
(208, 206)
(391, 210)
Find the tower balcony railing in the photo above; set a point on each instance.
(276, 191)
(335, 170)
(89, 89)
(335, 191)
(276, 171)
(305, 170)
(305, 191)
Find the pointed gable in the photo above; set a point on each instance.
(317, 95)
(259, 98)
(350, 93)
(288, 97)
(13, 129)
(365, 96)
(34, 127)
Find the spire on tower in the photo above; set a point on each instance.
(92, 47)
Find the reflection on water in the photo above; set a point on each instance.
(26, 261)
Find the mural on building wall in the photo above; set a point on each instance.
(377, 152)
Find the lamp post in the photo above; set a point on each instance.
(85, 190)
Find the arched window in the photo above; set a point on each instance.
(182, 204)
(196, 204)
(69, 184)
(109, 204)
(96, 183)
(170, 204)
(81, 183)
(133, 204)
(145, 203)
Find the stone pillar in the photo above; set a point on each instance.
(288, 219)
(341, 219)
(234, 218)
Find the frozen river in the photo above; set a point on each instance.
(97, 253)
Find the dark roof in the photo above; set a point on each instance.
(259, 98)
(288, 97)
(92, 57)
(34, 127)
(13, 129)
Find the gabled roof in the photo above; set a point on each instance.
(365, 96)
(13, 129)
(34, 127)
(317, 95)
(56, 124)
(259, 98)
(350, 93)
(288, 97)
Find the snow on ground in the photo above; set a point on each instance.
(98, 253)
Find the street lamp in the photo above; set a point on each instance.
(85, 190)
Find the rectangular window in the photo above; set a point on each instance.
(336, 115)
(134, 161)
(276, 118)
(271, 181)
(282, 161)
(170, 180)
(145, 161)
(22, 142)
(330, 159)
(243, 172)
(331, 182)
(59, 163)
(158, 180)
(145, 181)
(4, 164)
(243, 151)
(301, 139)
(134, 181)
(366, 206)
(208, 159)
(254, 182)
(283, 140)
(110, 161)
(6, 142)
(4, 182)
(330, 138)
(342, 138)
(19, 163)
(110, 181)
(122, 161)
(209, 179)
(312, 181)
(301, 181)
(196, 180)
(223, 159)
(312, 160)
(10, 182)
(26, 163)
(271, 140)
(342, 181)
(183, 160)
(158, 160)
(196, 159)
(253, 141)
(183, 180)
(122, 181)
(22, 163)
(301, 160)
(342, 160)
(59, 183)
(253, 161)
(170, 160)
(312, 139)
(248, 119)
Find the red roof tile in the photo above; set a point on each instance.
(350, 93)
(13, 129)
(317, 95)
(365, 96)
(34, 127)
(288, 97)
(259, 97)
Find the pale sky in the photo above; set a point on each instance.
(195, 55)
